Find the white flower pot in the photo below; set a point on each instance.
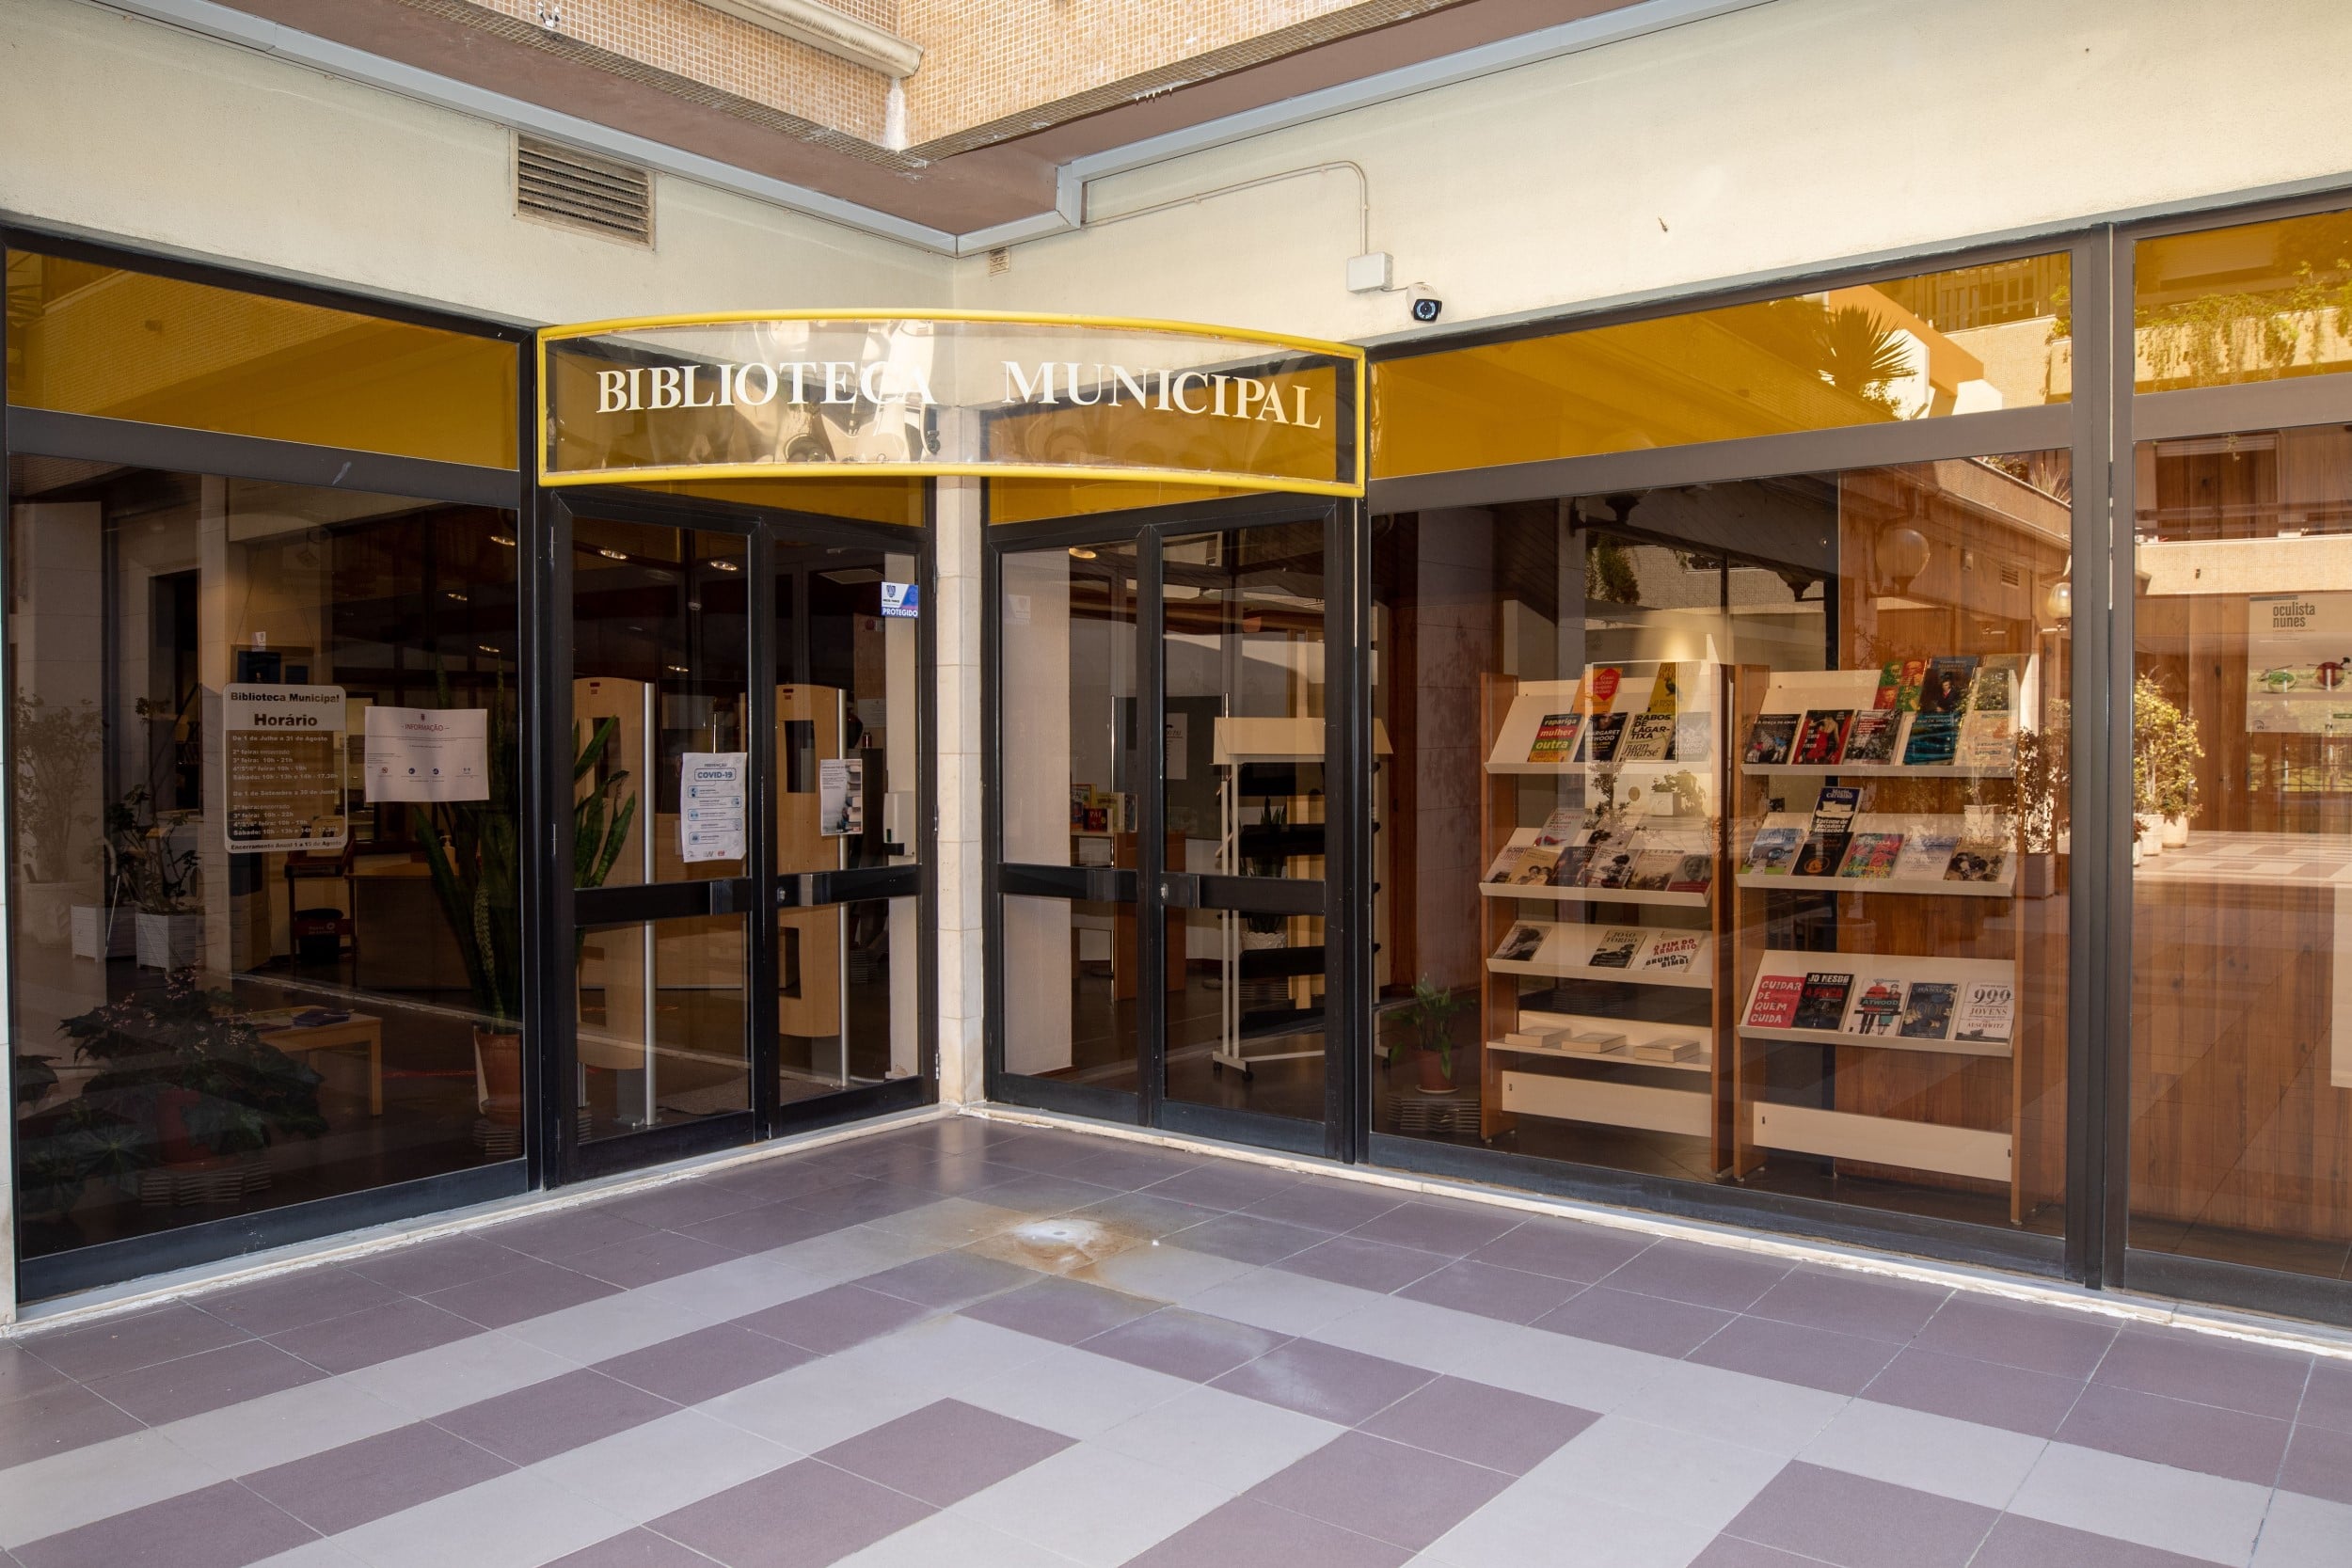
(2136, 854)
(171, 940)
(2149, 834)
(94, 939)
(2174, 834)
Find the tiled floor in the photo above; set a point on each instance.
(964, 1343)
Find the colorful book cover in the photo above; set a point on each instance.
(1948, 683)
(1928, 1011)
(1995, 690)
(1520, 943)
(1925, 856)
(1822, 738)
(1694, 873)
(1871, 738)
(1566, 825)
(1673, 952)
(1598, 691)
(1871, 856)
(1774, 1004)
(1979, 857)
(1774, 852)
(1665, 695)
(1933, 740)
(1574, 865)
(1890, 684)
(1830, 831)
(1915, 675)
(1648, 737)
(1616, 947)
(1507, 861)
(1612, 864)
(1771, 738)
(1875, 1008)
(1535, 869)
(1555, 737)
(1987, 740)
(1602, 738)
(1987, 1014)
(1694, 737)
(1654, 870)
(1823, 1003)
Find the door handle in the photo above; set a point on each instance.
(1179, 889)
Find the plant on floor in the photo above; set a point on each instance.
(2044, 779)
(154, 876)
(2165, 752)
(57, 747)
(1430, 1017)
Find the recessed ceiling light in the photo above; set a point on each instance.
(611, 555)
(726, 565)
(1079, 553)
(501, 539)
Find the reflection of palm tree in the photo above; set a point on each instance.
(1860, 354)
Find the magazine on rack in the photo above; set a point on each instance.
(1987, 741)
(1508, 861)
(1773, 851)
(1535, 870)
(1648, 737)
(1612, 864)
(1925, 855)
(1928, 1011)
(1822, 738)
(1831, 830)
(1694, 874)
(1872, 740)
(1899, 685)
(1555, 737)
(1871, 856)
(1932, 740)
(1981, 855)
(1602, 738)
(1770, 739)
(1673, 952)
(1694, 737)
(1617, 947)
(1987, 1014)
(1521, 943)
(1654, 868)
(1948, 681)
(1774, 1004)
(1877, 1007)
(1822, 1006)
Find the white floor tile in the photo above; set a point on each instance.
(1654, 1469)
(2155, 1505)
(1527, 1526)
(1223, 1439)
(1929, 1453)
(1093, 1505)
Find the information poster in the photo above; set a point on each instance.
(282, 761)
(2298, 664)
(841, 797)
(711, 797)
(428, 754)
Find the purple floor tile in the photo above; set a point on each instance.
(429, 1266)
(55, 1420)
(1406, 1496)
(1366, 1265)
(675, 1205)
(804, 1516)
(565, 1231)
(1449, 1229)
(1245, 1532)
(646, 1260)
(1850, 1303)
(1858, 1522)
(2036, 1339)
(761, 1228)
(219, 1527)
(867, 1200)
(1224, 1187)
(297, 1299)
(347, 1486)
(1062, 1310)
(2319, 1464)
(1813, 1357)
(1325, 1381)
(1247, 1238)
(1497, 1427)
(705, 1364)
(1698, 1275)
(1038, 1194)
(530, 1289)
(1145, 1217)
(1729, 1551)
(399, 1327)
(949, 1279)
(2200, 1367)
(1184, 1345)
(1648, 1323)
(2328, 1399)
(945, 1452)
(23, 1374)
(834, 1318)
(2187, 1437)
(1985, 1392)
(1321, 1204)
(1564, 1250)
(957, 1176)
(2017, 1541)
(554, 1416)
(135, 1339)
(195, 1384)
(1512, 1296)
(1061, 1153)
(775, 1181)
(636, 1548)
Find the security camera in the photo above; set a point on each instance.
(1428, 308)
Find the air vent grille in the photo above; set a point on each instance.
(563, 185)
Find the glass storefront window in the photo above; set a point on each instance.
(258, 961)
(2255, 302)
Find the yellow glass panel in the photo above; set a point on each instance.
(1959, 341)
(87, 337)
(1021, 500)
(1293, 434)
(871, 501)
(2253, 302)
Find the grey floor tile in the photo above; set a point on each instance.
(1847, 1302)
(1564, 1250)
(2207, 1370)
(1368, 1265)
(1929, 1453)
(1247, 1238)
(1245, 1531)
(347, 1486)
(2014, 1333)
(2328, 1399)
(1404, 1496)
(804, 1516)
(533, 1289)
(1184, 1345)
(1497, 1427)
(1049, 1149)
(1859, 1523)
(704, 1363)
(567, 1231)
(1778, 1417)
(546, 1419)
(945, 1452)
(2189, 1436)
(1230, 1442)
(834, 1318)
(1035, 1193)
(1323, 1381)
(2016, 1541)
(232, 1374)
(23, 1374)
(646, 1471)
(132, 1341)
(2305, 1533)
(400, 1327)
(761, 1228)
(1093, 1505)
(863, 1202)
(1144, 1218)
(1527, 1526)
(219, 1527)
(1322, 1204)
(636, 1548)
(1075, 1392)
(1640, 1322)
(1063, 1310)
(292, 1300)
(1224, 1185)
(1514, 1295)
(1814, 1357)
(1968, 1389)
(2319, 1464)
(644, 1259)
(675, 1205)
(1432, 1224)
(1729, 1551)
(1720, 1277)
(2153, 1505)
(514, 1520)
(1630, 1464)
(436, 1265)
(65, 1416)
(952, 1539)
(1285, 1303)
(1165, 1273)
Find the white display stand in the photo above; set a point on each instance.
(1800, 692)
(1865, 967)
(1909, 824)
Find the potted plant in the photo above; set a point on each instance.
(2164, 753)
(1430, 1017)
(2043, 780)
(55, 748)
(163, 882)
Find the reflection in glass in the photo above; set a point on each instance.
(1074, 1021)
(846, 1014)
(2253, 302)
(661, 1027)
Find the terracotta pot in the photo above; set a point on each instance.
(1435, 1079)
(499, 1060)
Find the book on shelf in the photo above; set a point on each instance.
(1673, 952)
(1694, 871)
(1981, 856)
(1773, 851)
(1694, 736)
(1537, 868)
(1598, 691)
(1877, 1007)
(1987, 1012)
(1541, 1036)
(1822, 738)
(1871, 856)
(1648, 737)
(1932, 740)
(1665, 691)
(1507, 861)
(1770, 739)
(1611, 865)
(1566, 825)
(1617, 947)
(1774, 1004)
(1666, 1049)
(1830, 831)
(1574, 866)
(1899, 685)
(1602, 738)
(1987, 740)
(1822, 1003)
(1995, 690)
(1555, 737)
(1596, 1042)
(1521, 943)
(1949, 677)
(1872, 735)
(1654, 869)
(1925, 855)
(1927, 1010)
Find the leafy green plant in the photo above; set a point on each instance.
(55, 747)
(144, 868)
(1860, 354)
(2165, 752)
(1430, 1018)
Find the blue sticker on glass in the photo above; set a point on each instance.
(901, 601)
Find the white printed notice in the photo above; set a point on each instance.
(424, 755)
(710, 805)
(841, 797)
(281, 764)
(2298, 663)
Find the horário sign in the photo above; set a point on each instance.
(879, 393)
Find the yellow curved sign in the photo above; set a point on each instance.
(878, 393)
